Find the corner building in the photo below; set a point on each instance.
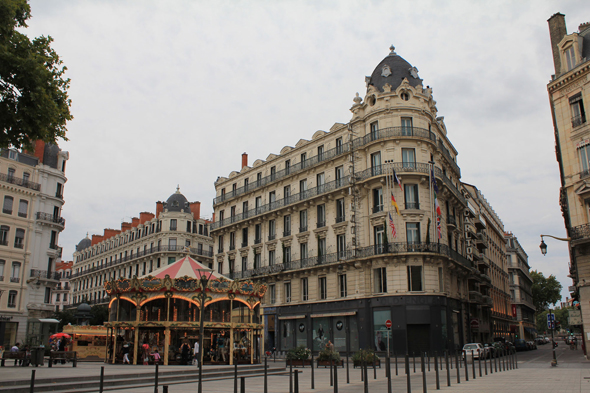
(569, 95)
(313, 223)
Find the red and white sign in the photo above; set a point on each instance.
(514, 310)
(388, 324)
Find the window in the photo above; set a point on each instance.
(12, 299)
(286, 254)
(4, 235)
(258, 179)
(304, 289)
(244, 264)
(258, 234)
(407, 129)
(272, 198)
(302, 188)
(320, 182)
(441, 280)
(303, 221)
(11, 173)
(220, 243)
(15, 274)
(232, 241)
(257, 263)
(272, 294)
(303, 251)
(271, 230)
(286, 192)
(413, 232)
(340, 213)
(220, 267)
(374, 131)
(245, 208)
(322, 250)
(376, 164)
(379, 234)
(287, 167)
(321, 153)
(287, 292)
(577, 110)
(271, 257)
(377, 200)
(234, 187)
(380, 275)
(19, 238)
(342, 285)
(47, 299)
(570, 58)
(411, 196)
(12, 154)
(321, 210)
(172, 243)
(244, 237)
(2, 262)
(53, 240)
(414, 278)
(59, 190)
(341, 246)
(408, 158)
(287, 225)
(339, 147)
(7, 207)
(173, 222)
(303, 159)
(273, 173)
(246, 183)
(339, 176)
(323, 288)
(26, 177)
(258, 205)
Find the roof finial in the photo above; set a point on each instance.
(87, 235)
(178, 188)
(392, 49)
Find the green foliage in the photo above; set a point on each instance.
(100, 315)
(561, 315)
(546, 290)
(34, 102)
(364, 355)
(299, 353)
(327, 355)
(64, 317)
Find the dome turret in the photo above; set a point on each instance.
(84, 243)
(393, 70)
(178, 202)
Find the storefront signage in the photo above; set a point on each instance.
(5, 318)
(270, 310)
(291, 316)
(333, 314)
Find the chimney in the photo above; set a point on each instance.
(96, 239)
(159, 208)
(244, 159)
(39, 150)
(134, 222)
(196, 210)
(145, 217)
(108, 233)
(557, 31)
(125, 226)
(583, 26)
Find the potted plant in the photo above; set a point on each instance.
(326, 357)
(299, 356)
(367, 356)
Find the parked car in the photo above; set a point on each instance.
(490, 350)
(520, 345)
(540, 341)
(474, 349)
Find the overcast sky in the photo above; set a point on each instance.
(173, 92)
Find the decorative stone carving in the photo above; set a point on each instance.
(414, 72)
(385, 71)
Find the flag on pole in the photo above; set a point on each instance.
(394, 204)
(436, 205)
(396, 180)
(392, 226)
(438, 228)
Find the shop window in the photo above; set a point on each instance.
(415, 278)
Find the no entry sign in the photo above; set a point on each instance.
(388, 324)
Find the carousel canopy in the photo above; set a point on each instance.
(185, 267)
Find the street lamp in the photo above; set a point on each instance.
(543, 246)
(205, 276)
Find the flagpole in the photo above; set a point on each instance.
(432, 205)
(387, 197)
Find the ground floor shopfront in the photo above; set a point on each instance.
(420, 324)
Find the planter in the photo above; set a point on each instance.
(298, 363)
(376, 363)
(326, 363)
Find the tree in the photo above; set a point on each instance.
(545, 290)
(64, 317)
(100, 315)
(34, 102)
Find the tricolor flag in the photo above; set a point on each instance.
(436, 205)
(438, 228)
(396, 180)
(394, 204)
(392, 226)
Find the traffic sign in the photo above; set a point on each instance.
(388, 324)
(550, 317)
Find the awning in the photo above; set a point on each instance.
(292, 316)
(48, 320)
(333, 314)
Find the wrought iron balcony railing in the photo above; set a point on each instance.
(51, 218)
(580, 232)
(44, 274)
(578, 121)
(20, 182)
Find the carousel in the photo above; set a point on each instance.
(161, 312)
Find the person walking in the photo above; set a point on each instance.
(196, 354)
(185, 351)
(146, 353)
(126, 353)
(15, 348)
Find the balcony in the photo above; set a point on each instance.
(451, 221)
(475, 297)
(487, 301)
(412, 206)
(271, 237)
(340, 219)
(303, 228)
(257, 240)
(480, 222)
(481, 241)
(50, 218)
(3, 242)
(580, 233)
(377, 209)
(232, 247)
(578, 121)
(20, 182)
(287, 233)
(321, 224)
(244, 244)
(44, 274)
(15, 279)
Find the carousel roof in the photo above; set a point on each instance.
(184, 267)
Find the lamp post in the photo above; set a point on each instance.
(205, 276)
(543, 246)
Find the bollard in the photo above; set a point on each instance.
(436, 371)
(312, 373)
(374, 369)
(243, 385)
(32, 381)
(466, 368)
(335, 378)
(473, 363)
(366, 376)
(101, 383)
(156, 380)
(291, 375)
(423, 369)
(266, 375)
(485, 364)
(448, 369)
(515, 359)
(408, 382)
(395, 354)
(504, 360)
(428, 359)
(479, 361)
(491, 358)
(274, 351)
(331, 375)
(388, 360)
(165, 388)
(75, 362)
(236, 377)
(362, 370)
(347, 372)
(457, 367)
(296, 382)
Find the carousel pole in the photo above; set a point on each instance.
(136, 338)
(231, 336)
(204, 282)
(251, 338)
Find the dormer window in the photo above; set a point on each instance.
(570, 58)
(12, 154)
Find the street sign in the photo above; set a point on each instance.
(550, 317)
(550, 324)
(388, 324)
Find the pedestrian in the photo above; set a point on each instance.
(197, 357)
(126, 353)
(185, 350)
(146, 353)
(62, 348)
(15, 348)
(156, 356)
